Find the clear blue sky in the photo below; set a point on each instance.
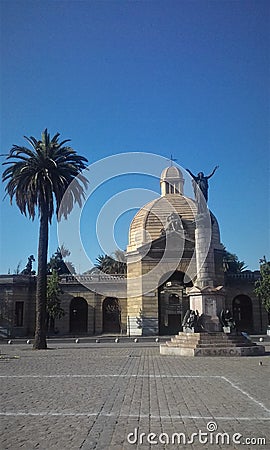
(189, 78)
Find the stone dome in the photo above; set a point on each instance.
(148, 223)
(151, 220)
(171, 172)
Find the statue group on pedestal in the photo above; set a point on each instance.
(192, 322)
(227, 321)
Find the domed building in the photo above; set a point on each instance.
(161, 258)
(174, 263)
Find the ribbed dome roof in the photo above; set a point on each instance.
(171, 172)
(151, 219)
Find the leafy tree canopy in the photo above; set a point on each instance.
(231, 262)
(58, 264)
(262, 286)
(114, 264)
(53, 305)
(38, 177)
(28, 268)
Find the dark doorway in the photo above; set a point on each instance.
(242, 313)
(111, 315)
(172, 303)
(78, 314)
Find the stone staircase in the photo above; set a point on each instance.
(210, 344)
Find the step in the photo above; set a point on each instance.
(212, 351)
(225, 344)
(181, 341)
(196, 337)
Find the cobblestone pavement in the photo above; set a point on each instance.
(106, 396)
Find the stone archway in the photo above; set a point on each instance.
(78, 315)
(111, 313)
(242, 313)
(172, 303)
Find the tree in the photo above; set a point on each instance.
(53, 306)
(57, 262)
(262, 286)
(231, 262)
(6, 312)
(104, 263)
(38, 177)
(28, 268)
(115, 264)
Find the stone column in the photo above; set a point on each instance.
(204, 251)
(134, 299)
(205, 298)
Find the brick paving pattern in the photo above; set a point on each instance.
(92, 396)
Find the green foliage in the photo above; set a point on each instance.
(231, 262)
(28, 269)
(115, 264)
(38, 177)
(44, 179)
(57, 262)
(54, 291)
(262, 286)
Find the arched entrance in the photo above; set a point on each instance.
(111, 313)
(172, 303)
(242, 313)
(78, 315)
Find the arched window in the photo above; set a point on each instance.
(172, 302)
(111, 313)
(242, 313)
(78, 315)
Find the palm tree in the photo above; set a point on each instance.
(120, 261)
(231, 262)
(115, 264)
(58, 263)
(38, 178)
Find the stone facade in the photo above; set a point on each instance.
(20, 290)
(17, 305)
(81, 300)
(174, 262)
(170, 244)
(242, 301)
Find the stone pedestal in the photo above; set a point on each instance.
(209, 302)
(210, 344)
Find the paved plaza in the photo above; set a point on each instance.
(127, 396)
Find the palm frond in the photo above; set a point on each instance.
(40, 175)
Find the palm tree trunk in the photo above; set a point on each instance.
(41, 296)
